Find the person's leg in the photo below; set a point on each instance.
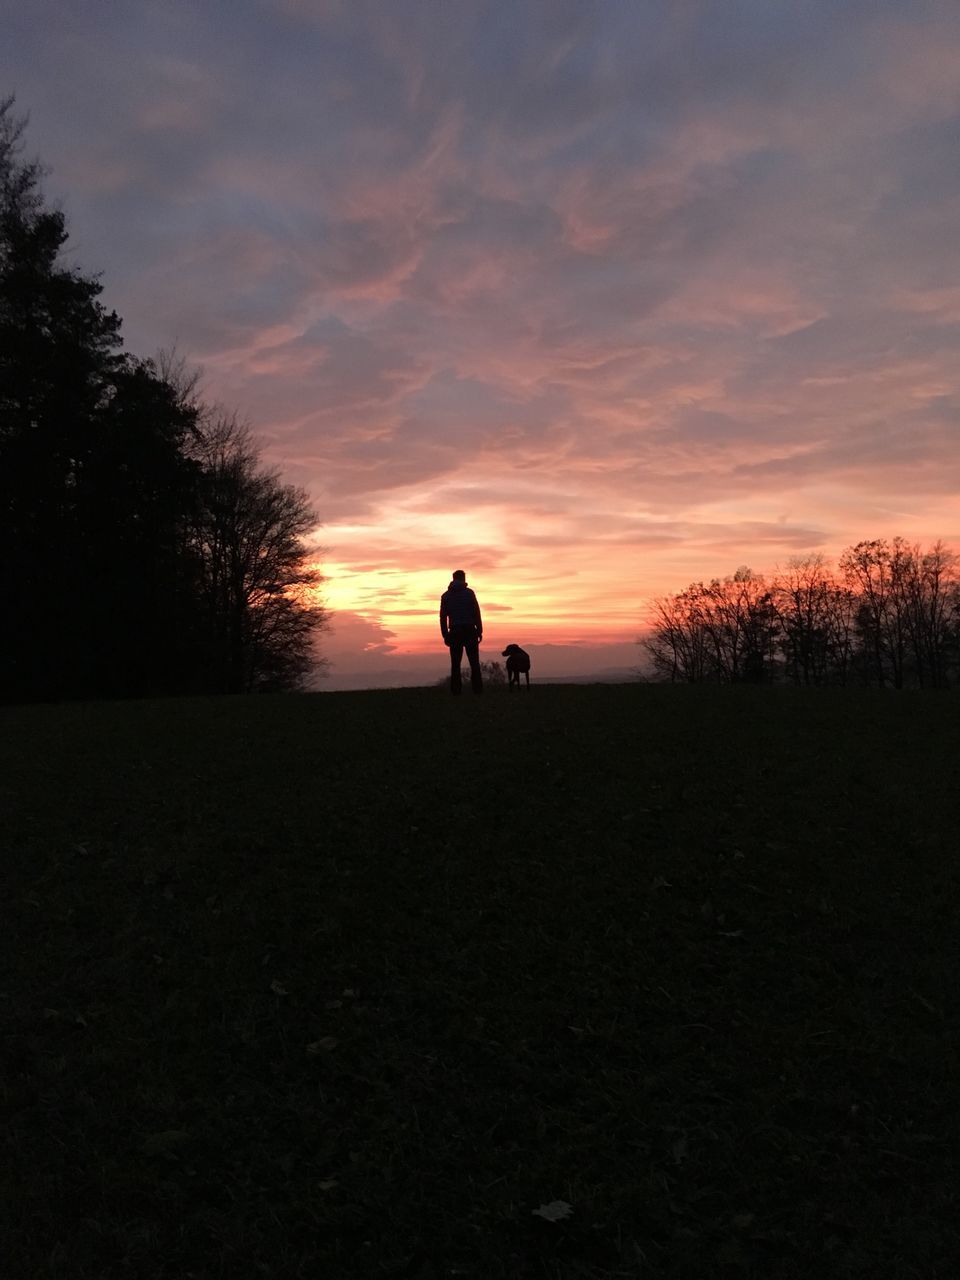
(456, 656)
(472, 646)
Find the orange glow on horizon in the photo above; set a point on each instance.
(527, 297)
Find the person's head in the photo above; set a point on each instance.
(459, 575)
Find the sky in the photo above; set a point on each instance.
(591, 298)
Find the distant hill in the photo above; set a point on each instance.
(398, 678)
(608, 675)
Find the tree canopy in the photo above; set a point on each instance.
(891, 616)
(144, 549)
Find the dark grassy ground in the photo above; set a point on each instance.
(349, 985)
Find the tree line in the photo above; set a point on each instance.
(144, 548)
(888, 616)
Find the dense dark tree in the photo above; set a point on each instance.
(143, 549)
(132, 598)
(58, 361)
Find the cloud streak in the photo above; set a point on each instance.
(592, 299)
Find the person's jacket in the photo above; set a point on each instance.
(459, 608)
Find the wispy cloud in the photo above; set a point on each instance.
(591, 299)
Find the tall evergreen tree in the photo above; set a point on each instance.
(59, 355)
(134, 604)
(143, 548)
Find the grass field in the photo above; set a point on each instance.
(350, 985)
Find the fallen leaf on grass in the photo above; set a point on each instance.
(554, 1211)
(730, 1253)
(278, 988)
(927, 1004)
(328, 1184)
(165, 1143)
(322, 1046)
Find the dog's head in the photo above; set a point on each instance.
(511, 648)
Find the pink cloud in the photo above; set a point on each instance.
(590, 303)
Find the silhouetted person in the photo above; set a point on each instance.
(462, 629)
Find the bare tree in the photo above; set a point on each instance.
(741, 623)
(866, 570)
(893, 618)
(494, 676)
(815, 614)
(932, 608)
(259, 591)
(677, 641)
(724, 630)
(841, 612)
(886, 577)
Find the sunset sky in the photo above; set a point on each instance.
(591, 298)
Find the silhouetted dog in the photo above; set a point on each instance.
(518, 663)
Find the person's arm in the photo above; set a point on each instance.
(443, 619)
(479, 620)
